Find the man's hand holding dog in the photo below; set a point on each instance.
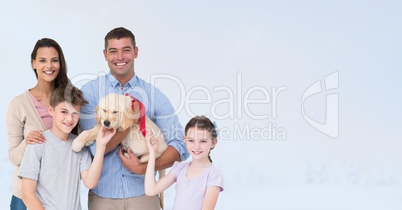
(131, 162)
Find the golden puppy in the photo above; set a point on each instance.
(121, 112)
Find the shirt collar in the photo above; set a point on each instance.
(115, 83)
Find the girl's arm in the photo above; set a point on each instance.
(211, 197)
(29, 196)
(91, 177)
(152, 187)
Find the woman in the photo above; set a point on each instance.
(28, 114)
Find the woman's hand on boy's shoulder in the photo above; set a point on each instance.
(35, 137)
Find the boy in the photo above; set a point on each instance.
(51, 171)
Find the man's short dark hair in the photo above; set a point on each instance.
(119, 33)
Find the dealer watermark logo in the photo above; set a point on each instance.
(331, 125)
(247, 104)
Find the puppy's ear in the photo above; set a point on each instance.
(126, 121)
(97, 114)
(135, 112)
(126, 118)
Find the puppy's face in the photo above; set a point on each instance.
(114, 111)
(110, 111)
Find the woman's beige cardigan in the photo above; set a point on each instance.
(22, 118)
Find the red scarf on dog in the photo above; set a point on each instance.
(142, 113)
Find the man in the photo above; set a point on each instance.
(121, 185)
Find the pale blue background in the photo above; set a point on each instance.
(207, 44)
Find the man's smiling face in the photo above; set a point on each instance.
(120, 55)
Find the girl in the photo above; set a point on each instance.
(198, 182)
(28, 114)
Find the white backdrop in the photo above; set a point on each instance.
(305, 92)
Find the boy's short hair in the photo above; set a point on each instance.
(67, 93)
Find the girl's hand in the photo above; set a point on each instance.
(152, 142)
(35, 137)
(104, 135)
